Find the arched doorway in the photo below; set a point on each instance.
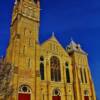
(24, 93)
(86, 95)
(56, 94)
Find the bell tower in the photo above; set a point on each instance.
(23, 50)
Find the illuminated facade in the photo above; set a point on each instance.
(46, 71)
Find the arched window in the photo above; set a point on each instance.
(42, 67)
(55, 69)
(67, 73)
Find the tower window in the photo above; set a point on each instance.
(85, 76)
(81, 72)
(42, 71)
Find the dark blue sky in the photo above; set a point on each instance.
(79, 19)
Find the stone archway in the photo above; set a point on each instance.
(56, 94)
(86, 95)
(24, 93)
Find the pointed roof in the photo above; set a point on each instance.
(73, 46)
(53, 36)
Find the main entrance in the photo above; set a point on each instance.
(56, 98)
(86, 97)
(24, 93)
(56, 95)
(22, 96)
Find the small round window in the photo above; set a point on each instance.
(24, 88)
(56, 92)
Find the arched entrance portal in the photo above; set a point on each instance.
(56, 94)
(24, 93)
(86, 95)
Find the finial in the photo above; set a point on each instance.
(15, 2)
(53, 34)
(71, 39)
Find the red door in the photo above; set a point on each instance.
(23, 96)
(86, 97)
(56, 98)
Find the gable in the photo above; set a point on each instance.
(54, 47)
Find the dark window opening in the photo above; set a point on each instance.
(81, 75)
(24, 89)
(67, 75)
(66, 64)
(85, 76)
(42, 71)
(52, 74)
(41, 58)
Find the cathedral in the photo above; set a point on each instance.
(45, 71)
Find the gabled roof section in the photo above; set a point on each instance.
(52, 38)
(74, 47)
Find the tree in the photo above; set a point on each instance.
(6, 73)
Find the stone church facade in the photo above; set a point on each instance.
(45, 71)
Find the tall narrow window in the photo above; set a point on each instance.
(42, 67)
(85, 76)
(42, 71)
(67, 73)
(81, 72)
(55, 69)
